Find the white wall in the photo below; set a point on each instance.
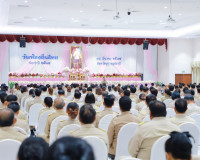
(181, 52)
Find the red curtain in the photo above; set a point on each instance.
(85, 40)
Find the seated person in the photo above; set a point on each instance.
(72, 112)
(175, 96)
(36, 99)
(167, 95)
(33, 148)
(134, 96)
(4, 102)
(77, 96)
(108, 103)
(142, 98)
(181, 117)
(192, 107)
(118, 122)
(147, 133)
(70, 148)
(61, 94)
(48, 103)
(24, 92)
(179, 146)
(90, 99)
(14, 106)
(87, 118)
(58, 106)
(7, 120)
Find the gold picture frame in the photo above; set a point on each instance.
(76, 57)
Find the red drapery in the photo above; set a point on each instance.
(85, 40)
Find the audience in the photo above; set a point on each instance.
(181, 117)
(14, 106)
(87, 116)
(141, 143)
(108, 104)
(7, 121)
(72, 112)
(33, 148)
(118, 122)
(70, 148)
(48, 103)
(58, 106)
(141, 104)
(192, 107)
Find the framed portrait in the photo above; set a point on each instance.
(76, 57)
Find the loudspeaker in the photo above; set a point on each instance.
(145, 45)
(22, 42)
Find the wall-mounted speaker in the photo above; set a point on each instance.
(22, 42)
(145, 45)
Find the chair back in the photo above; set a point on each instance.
(99, 147)
(25, 104)
(124, 136)
(133, 105)
(146, 119)
(105, 121)
(20, 130)
(128, 158)
(170, 113)
(53, 128)
(193, 129)
(158, 148)
(22, 102)
(65, 131)
(34, 114)
(167, 101)
(134, 112)
(9, 149)
(42, 121)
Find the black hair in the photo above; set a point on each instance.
(77, 95)
(87, 114)
(109, 100)
(33, 148)
(23, 89)
(157, 109)
(184, 89)
(198, 90)
(61, 92)
(133, 89)
(3, 97)
(145, 89)
(37, 92)
(150, 98)
(125, 103)
(179, 145)
(171, 88)
(181, 105)
(11, 98)
(142, 96)
(168, 92)
(175, 95)
(14, 106)
(104, 93)
(48, 101)
(90, 98)
(189, 97)
(89, 89)
(192, 92)
(31, 92)
(44, 88)
(70, 148)
(154, 91)
(127, 93)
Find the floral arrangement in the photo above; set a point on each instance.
(115, 75)
(36, 75)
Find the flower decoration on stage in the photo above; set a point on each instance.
(10, 74)
(36, 74)
(22, 75)
(115, 75)
(33, 75)
(86, 70)
(66, 69)
(41, 75)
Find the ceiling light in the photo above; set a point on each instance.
(81, 11)
(165, 7)
(98, 5)
(41, 17)
(180, 14)
(25, 1)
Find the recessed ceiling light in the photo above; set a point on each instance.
(41, 17)
(98, 5)
(81, 11)
(180, 14)
(25, 1)
(165, 7)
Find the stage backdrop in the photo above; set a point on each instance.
(52, 58)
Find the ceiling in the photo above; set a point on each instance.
(92, 17)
